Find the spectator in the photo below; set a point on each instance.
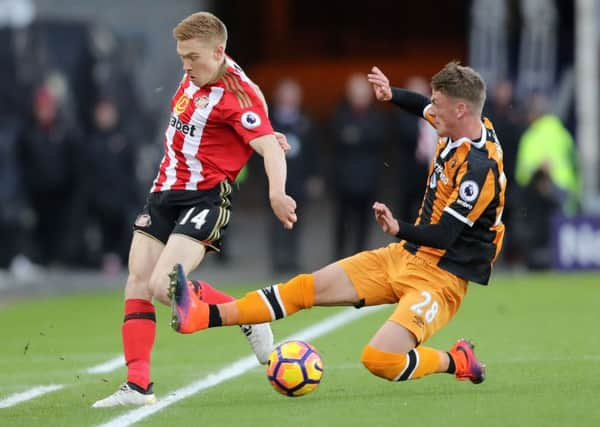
(111, 179)
(359, 130)
(288, 117)
(509, 123)
(13, 201)
(548, 144)
(507, 116)
(51, 162)
(541, 200)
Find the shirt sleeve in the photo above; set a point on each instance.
(441, 235)
(475, 189)
(248, 116)
(412, 102)
(409, 101)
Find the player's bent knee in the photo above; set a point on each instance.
(137, 287)
(376, 362)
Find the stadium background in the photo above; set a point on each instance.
(123, 51)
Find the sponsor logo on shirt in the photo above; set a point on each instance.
(464, 204)
(181, 126)
(181, 104)
(439, 169)
(433, 181)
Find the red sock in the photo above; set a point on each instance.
(138, 331)
(211, 295)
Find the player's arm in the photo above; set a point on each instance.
(261, 96)
(284, 207)
(411, 102)
(281, 138)
(475, 191)
(441, 235)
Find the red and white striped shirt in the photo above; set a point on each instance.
(210, 127)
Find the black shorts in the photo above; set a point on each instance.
(201, 215)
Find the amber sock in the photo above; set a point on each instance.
(417, 363)
(270, 303)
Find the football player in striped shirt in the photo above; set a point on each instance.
(218, 120)
(455, 240)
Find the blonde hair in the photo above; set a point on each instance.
(201, 25)
(461, 82)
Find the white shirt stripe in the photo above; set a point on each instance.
(171, 170)
(458, 216)
(191, 144)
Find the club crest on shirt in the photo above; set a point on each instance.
(143, 220)
(181, 104)
(250, 120)
(201, 102)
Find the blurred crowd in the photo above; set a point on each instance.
(73, 134)
(76, 142)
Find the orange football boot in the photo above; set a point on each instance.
(188, 312)
(468, 367)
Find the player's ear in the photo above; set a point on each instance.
(219, 52)
(461, 109)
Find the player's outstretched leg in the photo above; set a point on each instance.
(190, 298)
(259, 336)
(421, 361)
(414, 364)
(191, 314)
(467, 366)
(188, 312)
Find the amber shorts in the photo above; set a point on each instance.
(427, 296)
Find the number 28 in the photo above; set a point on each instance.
(419, 307)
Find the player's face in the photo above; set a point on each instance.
(446, 112)
(201, 59)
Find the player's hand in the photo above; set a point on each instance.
(282, 140)
(380, 83)
(385, 219)
(284, 208)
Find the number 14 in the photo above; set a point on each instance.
(197, 220)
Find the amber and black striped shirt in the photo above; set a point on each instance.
(467, 182)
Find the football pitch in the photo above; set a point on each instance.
(538, 334)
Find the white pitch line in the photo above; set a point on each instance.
(32, 393)
(111, 365)
(237, 368)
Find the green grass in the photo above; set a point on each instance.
(538, 335)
